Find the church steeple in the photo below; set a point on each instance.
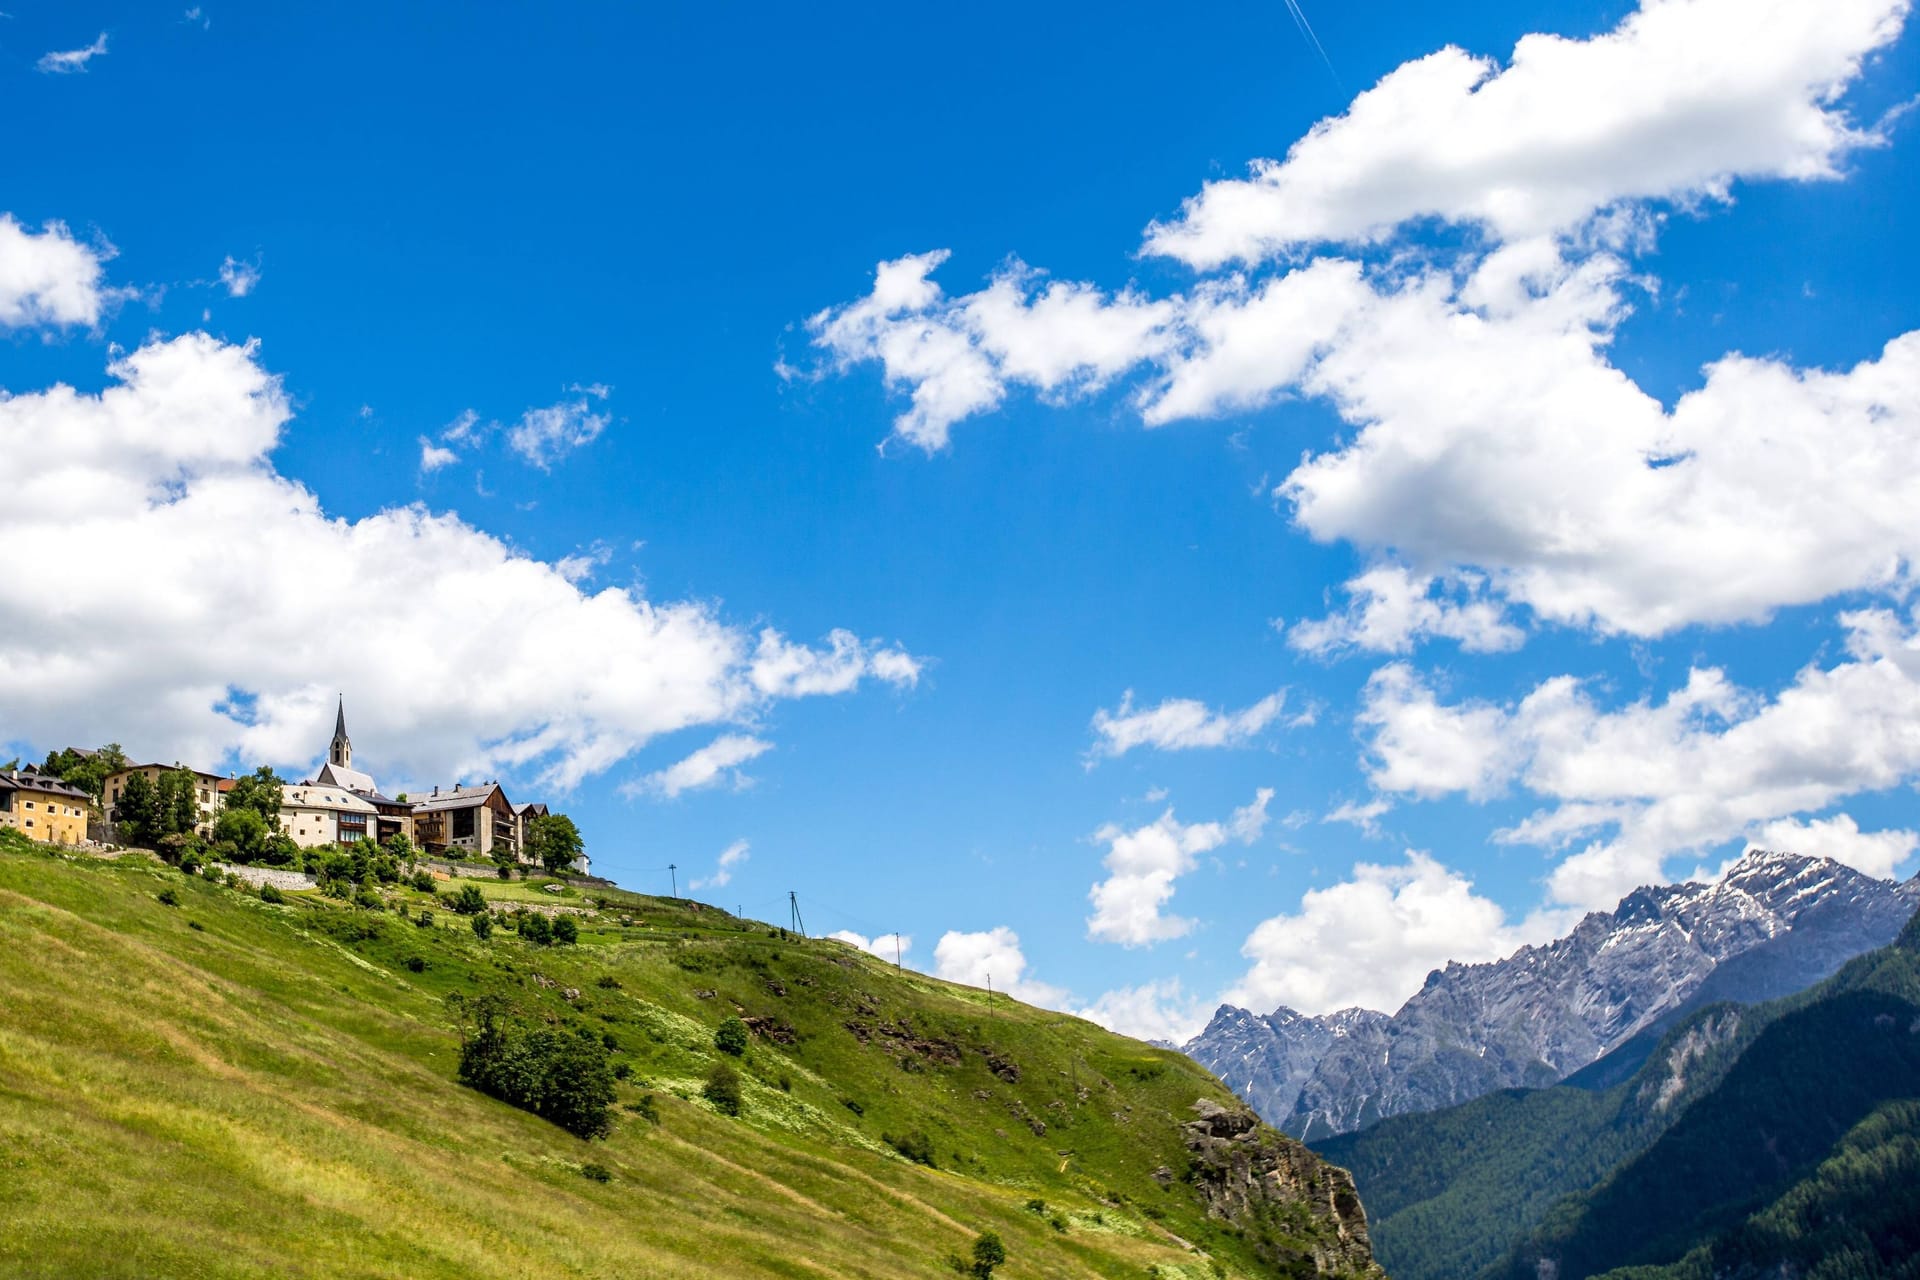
(341, 750)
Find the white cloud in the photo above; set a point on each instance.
(716, 763)
(1673, 105)
(210, 621)
(960, 354)
(1420, 747)
(1364, 815)
(730, 857)
(1390, 608)
(1158, 1010)
(49, 278)
(1709, 763)
(239, 277)
(782, 669)
(1180, 724)
(1371, 940)
(544, 436)
(1878, 853)
(1143, 863)
(992, 957)
(1497, 458)
(880, 944)
(70, 61)
(433, 457)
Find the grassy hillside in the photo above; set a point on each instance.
(232, 1087)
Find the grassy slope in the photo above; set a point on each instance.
(256, 1096)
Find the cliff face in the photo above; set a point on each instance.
(1776, 923)
(1293, 1206)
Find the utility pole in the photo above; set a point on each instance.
(989, 995)
(673, 870)
(793, 904)
(896, 948)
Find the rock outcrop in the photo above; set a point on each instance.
(1295, 1207)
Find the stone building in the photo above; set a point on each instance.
(41, 806)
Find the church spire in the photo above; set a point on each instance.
(341, 750)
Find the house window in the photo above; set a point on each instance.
(463, 824)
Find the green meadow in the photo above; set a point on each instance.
(232, 1087)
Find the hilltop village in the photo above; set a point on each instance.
(84, 797)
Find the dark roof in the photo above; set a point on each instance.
(340, 719)
(31, 779)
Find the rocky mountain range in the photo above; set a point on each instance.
(1775, 924)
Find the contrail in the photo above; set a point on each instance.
(1306, 29)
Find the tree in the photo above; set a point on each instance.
(561, 1074)
(241, 832)
(259, 791)
(554, 842)
(988, 1253)
(139, 812)
(86, 770)
(483, 926)
(731, 1037)
(536, 928)
(722, 1089)
(565, 931)
(469, 901)
(179, 811)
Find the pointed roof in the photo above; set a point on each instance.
(340, 719)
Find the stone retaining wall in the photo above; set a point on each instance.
(257, 876)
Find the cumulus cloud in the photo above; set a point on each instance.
(1365, 815)
(72, 61)
(1390, 608)
(716, 763)
(239, 277)
(1372, 939)
(208, 627)
(880, 944)
(782, 669)
(992, 957)
(959, 355)
(1143, 863)
(1180, 724)
(49, 278)
(1708, 763)
(730, 857)
(433, 456)
(1158, 1010)
(1497, 458)
(1673, 105)
(544, 436)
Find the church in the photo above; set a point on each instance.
(343, 804)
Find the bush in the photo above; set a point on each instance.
(559, 1074)
(211, 872)
(607, 982)
(722, 1089)
(595, 1173)
(270, 894)
(565, 930)
(731, 1037)
(988, 1253)
(422, 880)
(646, 1108)
(1037, 1205)
(168, 898)
(536, 928)
(469, 901)
(424, 919)
(415, 964)
(913, 1144)
(506, 871)
(366, 897)
(483, 926)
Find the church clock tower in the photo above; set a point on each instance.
(340, 753)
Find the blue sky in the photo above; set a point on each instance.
(630, 252)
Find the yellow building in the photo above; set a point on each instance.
(43, 807)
